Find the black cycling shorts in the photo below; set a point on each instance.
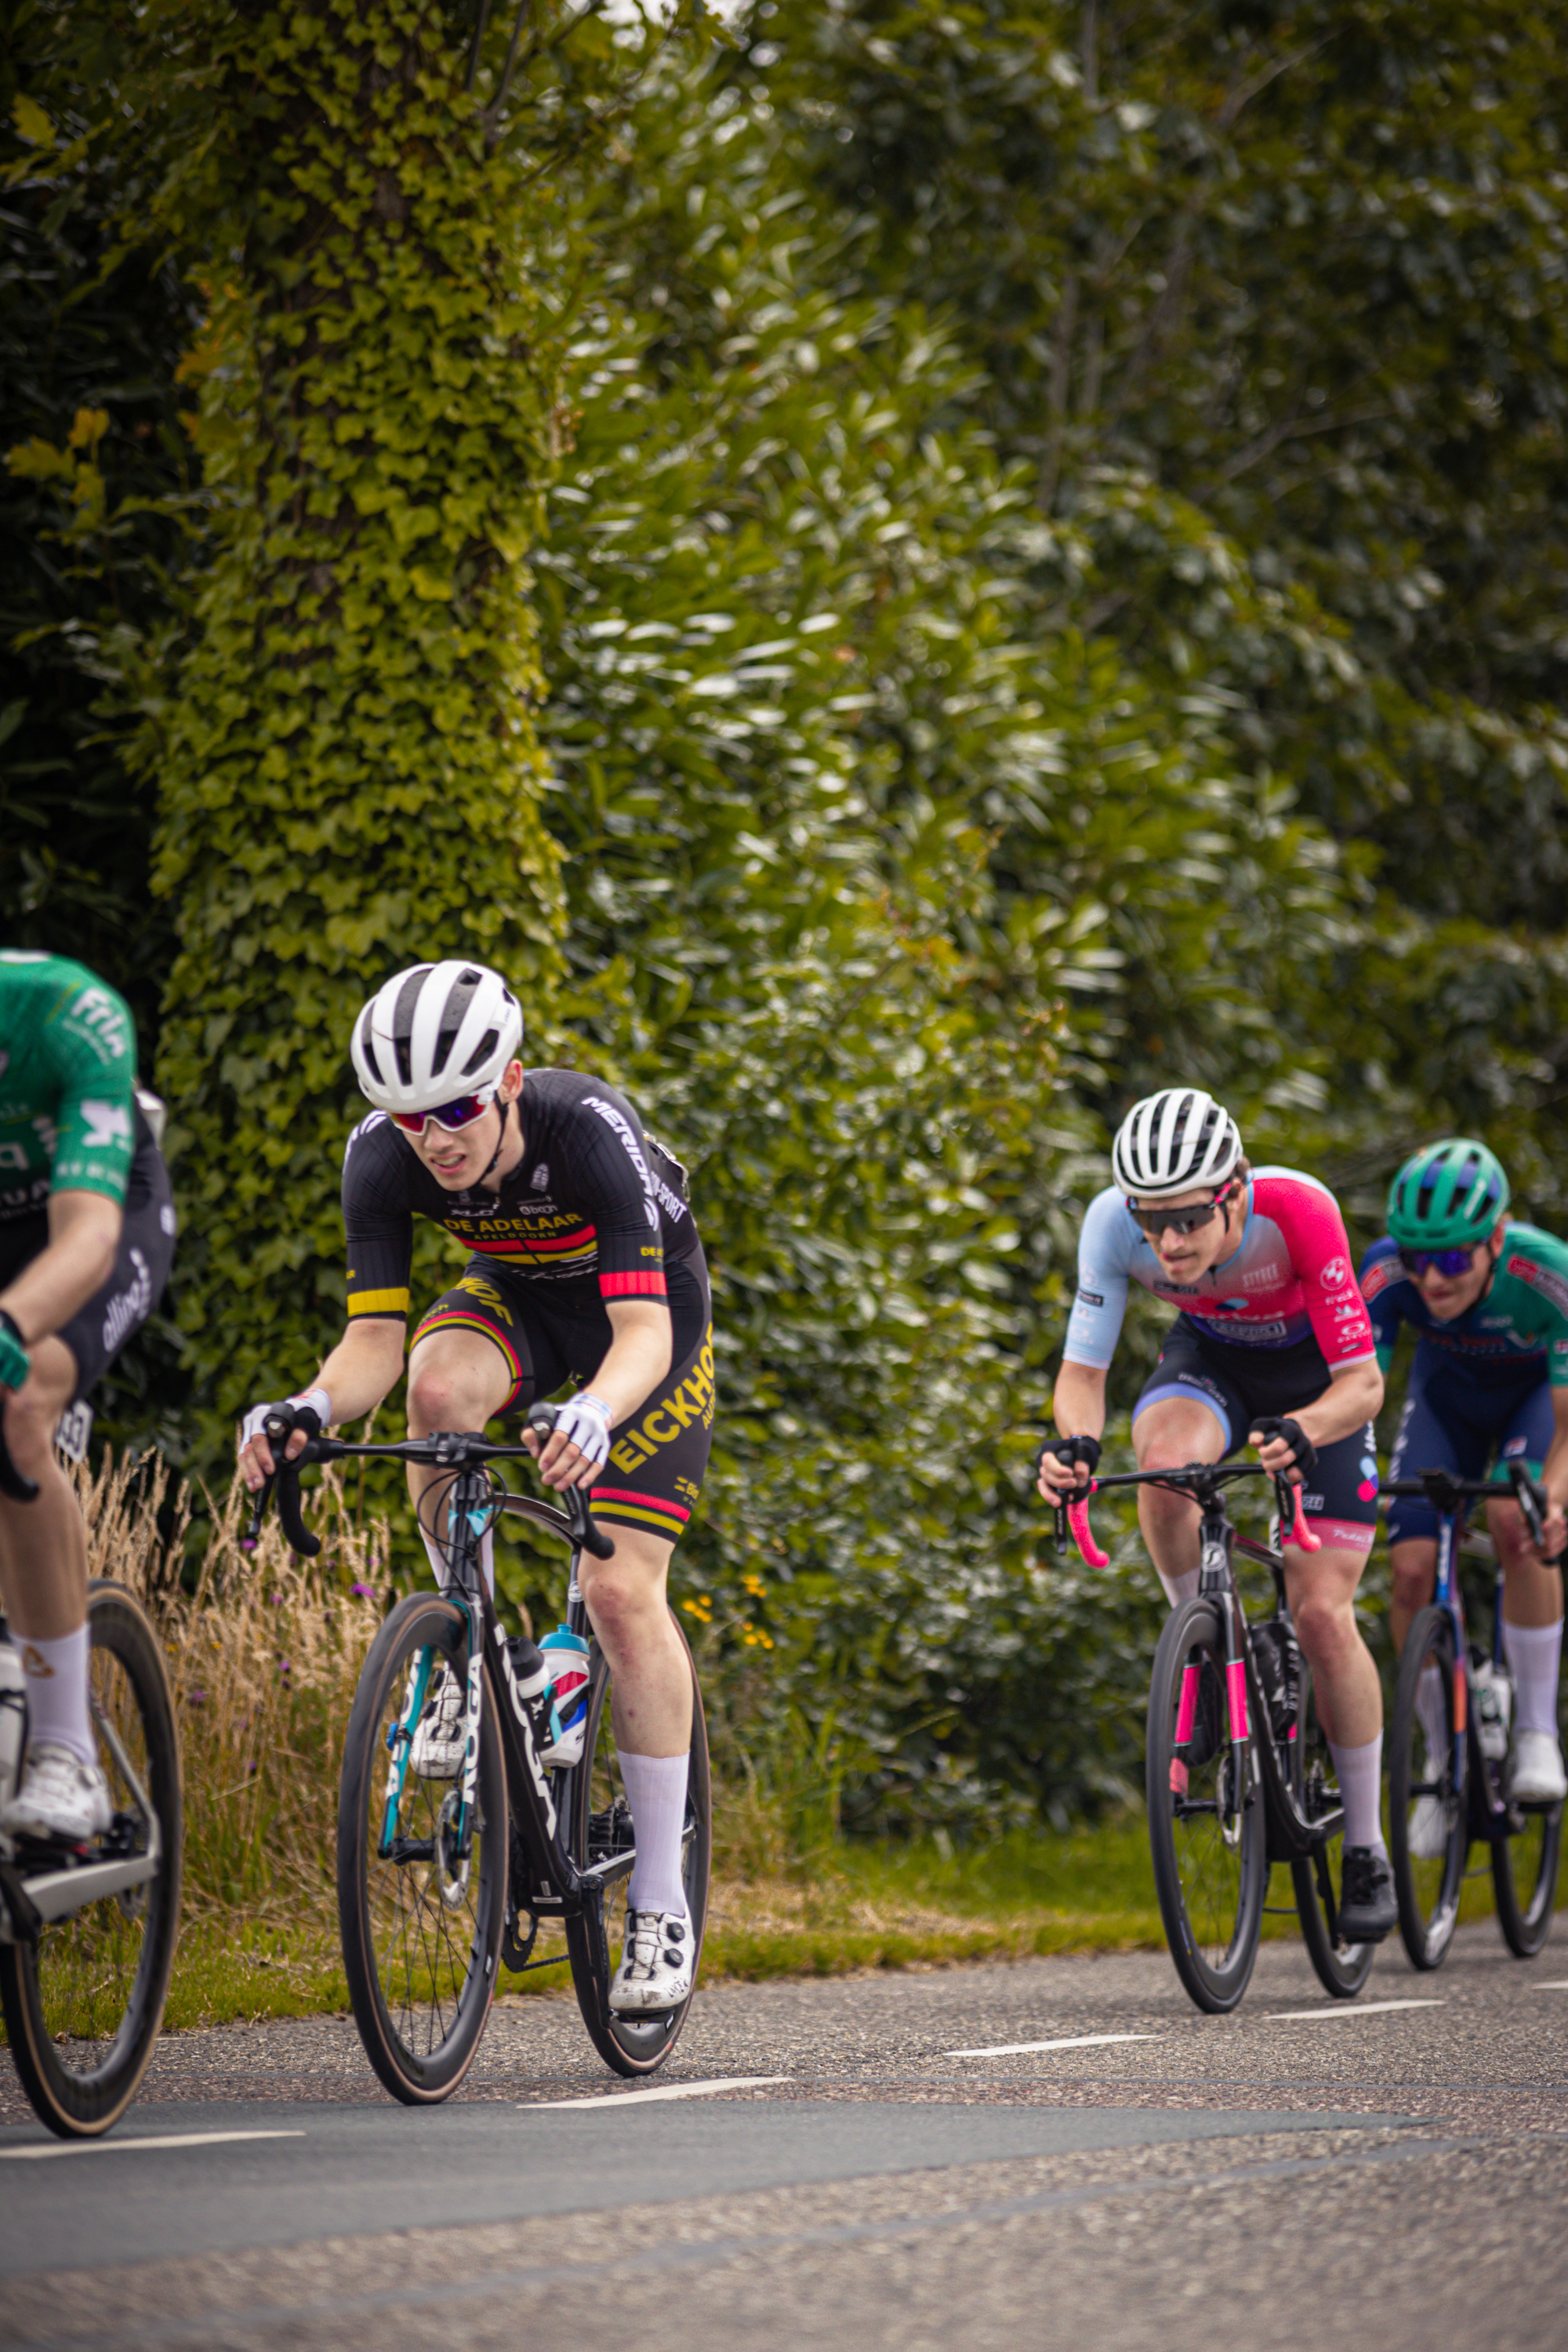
(95, 1332)
(554, 1332)
(1238, 1384)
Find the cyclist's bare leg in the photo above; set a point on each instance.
(651, 1698)
(42, 1544)
(1321, 1587)
(1413, 1569)
(1532, 1587)
(1167, 1437)
(457, 1379)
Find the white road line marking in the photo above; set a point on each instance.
(33, 2153)
(1073, 2042)
(661, 2091)
(1345, 2009)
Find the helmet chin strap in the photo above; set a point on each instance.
(500, 1141)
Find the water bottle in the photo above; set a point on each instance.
(566, 1656)
(13, 1716)
(1491, 1693)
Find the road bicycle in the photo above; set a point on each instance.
(441, 1881)
(1238, 1768)
(1466, 1781)
(86, 1936)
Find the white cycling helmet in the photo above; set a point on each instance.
(1174, 1141)
(436, 1032)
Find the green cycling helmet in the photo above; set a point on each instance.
(1447, 1196)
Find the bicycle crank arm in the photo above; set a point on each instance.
(56, 1894)
(600, 1874)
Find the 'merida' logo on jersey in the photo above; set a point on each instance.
(611, 1118)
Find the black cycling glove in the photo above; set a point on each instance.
(1074, 1449)
(1303, 1452)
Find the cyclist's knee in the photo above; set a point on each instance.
(1325, 1622)
(32, 1413)
(1505, 1525)
(1412, 1571)
(446, 1395)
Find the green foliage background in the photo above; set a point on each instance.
(912, 571)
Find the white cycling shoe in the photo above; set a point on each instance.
(59, 1798)
(439, 1737)
(1536, 1776)
(658, 1963)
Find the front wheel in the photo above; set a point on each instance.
(1206, 1829)
(600, 1826)
(1429, 1823)
(1342, 1969)
(84, 2003)
(421, 1891)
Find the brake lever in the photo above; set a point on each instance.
(296, 1533)
(259, 1501)
(1083, 1534)
(1532, 1500)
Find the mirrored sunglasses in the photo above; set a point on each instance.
(1178, 1220)
(462, 1112)
(1449, 1261)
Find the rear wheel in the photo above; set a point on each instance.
(84, 2003)
(421, 1918)
(1524, 1874)
(1342, 1968)
(1206, 1828)
(600, 1826)
(1428, 1824)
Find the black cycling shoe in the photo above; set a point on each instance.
(1368, 1907)
(1208, 1734)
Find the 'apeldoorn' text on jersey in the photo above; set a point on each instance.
(1290, 1275)
(593, 1197)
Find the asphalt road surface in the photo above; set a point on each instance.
(866, 2162)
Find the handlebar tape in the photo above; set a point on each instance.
(587, 1532)
(1083, 1534)
(296, 1532)
(1300, 1533)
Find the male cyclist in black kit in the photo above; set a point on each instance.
(585, 1265)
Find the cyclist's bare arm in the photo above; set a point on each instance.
(366, 1363)
(1078, 1410)
(84, 1234)
(1353, 1398)
(641, 1355)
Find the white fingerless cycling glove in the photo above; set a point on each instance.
(585, 1420)
(315, 1400)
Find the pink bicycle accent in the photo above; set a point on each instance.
(1178, 1777)
(1300, 1533)
(1187, 1705)
(1083, 1535)
(1235, 1676)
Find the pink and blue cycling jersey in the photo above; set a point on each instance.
(1289, 1278)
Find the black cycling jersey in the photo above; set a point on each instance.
(592, 1195)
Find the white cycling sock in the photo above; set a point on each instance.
(1534, 1654)
(57, 1692)
(487, 1559)
(1432, 1709)
(656, 1791)
(1359, 1771)
(1180, 1588)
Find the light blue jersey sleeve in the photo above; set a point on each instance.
(1105, 1249)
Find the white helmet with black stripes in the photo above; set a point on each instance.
(435, 1032)
(1176, 1141)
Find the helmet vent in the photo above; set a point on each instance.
(402, 1021)
(482, 1052)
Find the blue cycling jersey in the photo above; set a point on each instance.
(1518, 1326)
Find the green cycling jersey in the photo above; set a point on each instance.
(1518, 1324)
(68, 1073)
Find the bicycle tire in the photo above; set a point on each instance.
(1210, 1882)
(1342, 1968)
(630, 2045)
(420, 1993)
(1526, 1923)
(1427, 1887)
(123, 1946)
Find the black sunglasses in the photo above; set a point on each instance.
(1179, 1221)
